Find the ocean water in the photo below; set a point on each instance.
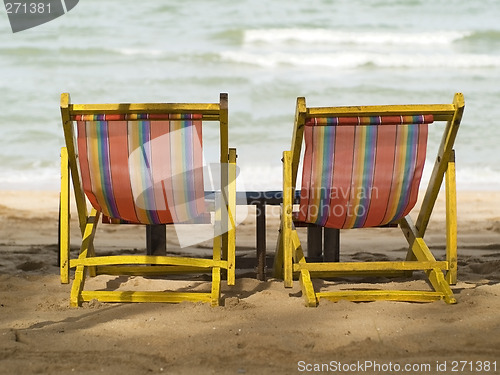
(264, 54)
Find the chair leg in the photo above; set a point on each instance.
(314, 244)
(217, 255)
(287, 220)
(422, 253)
(287, 259)
(307, 289)
(64, 218)
(451, 221)
(278, 257)
(231, 240)
(216, 272)
(216, 283)
(305, 281)
(261, 241)
(81, 271)
(92, 269)
(331, 247)
(156, 239)
(77, 287)
(436, 277)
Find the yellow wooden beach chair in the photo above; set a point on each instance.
(143, 164)
(362, 168)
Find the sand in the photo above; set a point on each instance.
(262, 328)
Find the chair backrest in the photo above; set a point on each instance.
(143, 163)
(147, 171)
(362, 165)
(361, 171)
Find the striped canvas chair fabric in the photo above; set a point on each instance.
(362, 167)
(142, 163)
(361, 171)
(143, 168)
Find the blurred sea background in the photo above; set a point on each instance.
(264, 54)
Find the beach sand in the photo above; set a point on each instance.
(262, 328)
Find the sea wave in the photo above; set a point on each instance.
(362, 59)
(139, 52)
(45, 178)
(487, 36)
(322, 36)
(479, 178)
(263, 177)
(252, 177)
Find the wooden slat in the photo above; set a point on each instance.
(338, 274)
(149, 270)
(69, 137)
(451, 221)
(278, 255)
(441, 112)
(214, 296)
(306, 284)
(287, 220)
(85, 249)
(260, 209)
(422, 253)
(132, 296)
(223, 218)
(64, 218)
(147, 259)
(440, 165)
(386, 295)
(297, 137)
(127, 108)
(371, 266)
(231, 233)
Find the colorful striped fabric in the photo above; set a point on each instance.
(125, 116)
(370, 120)
(142, 170)
(357, 173)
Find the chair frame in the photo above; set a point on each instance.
(87, 261)
(290, 260)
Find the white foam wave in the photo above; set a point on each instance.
(262, 178)
(252, 177)
(356, 60)
(278, 36)
(41, 178)
(138, 52)
(483, 178)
